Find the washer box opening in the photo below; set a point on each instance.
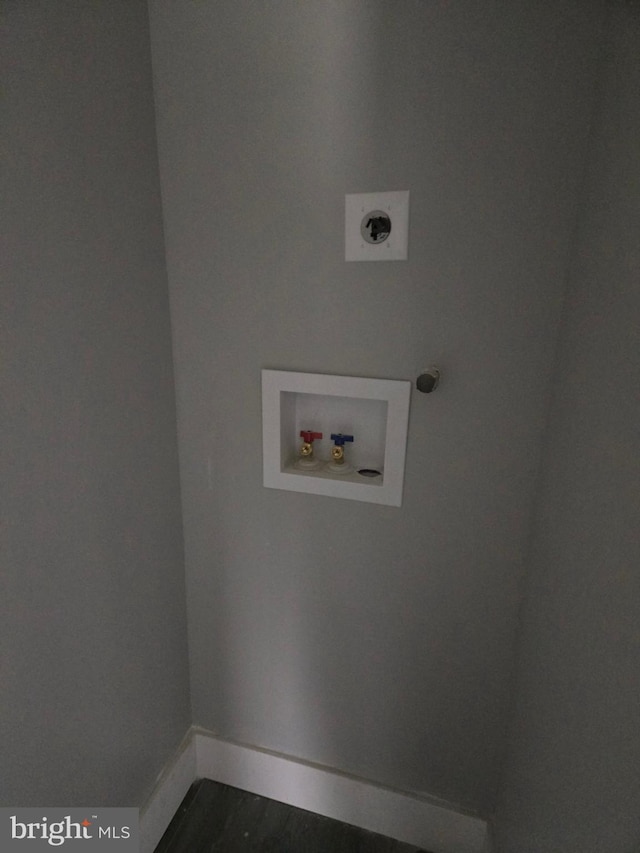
(374, 412)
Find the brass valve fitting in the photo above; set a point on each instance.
(337, 454)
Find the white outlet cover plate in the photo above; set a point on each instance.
(360, 205)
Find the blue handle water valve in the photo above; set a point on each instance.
(339, 439)
(337, 452)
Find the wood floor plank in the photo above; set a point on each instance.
(215, 818)
(250, 826)
(204, 819)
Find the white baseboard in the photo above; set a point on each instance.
(169, 791)
(406, 817)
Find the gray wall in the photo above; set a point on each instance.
(93, 660)
(572, 781)
(374, 639)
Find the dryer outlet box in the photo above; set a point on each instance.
(377, 226)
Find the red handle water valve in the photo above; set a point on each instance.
(309, 436)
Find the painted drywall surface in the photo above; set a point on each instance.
(572, 780)
(93, 629)
(373, 639)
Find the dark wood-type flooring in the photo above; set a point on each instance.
(216, 818)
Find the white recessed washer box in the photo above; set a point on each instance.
(374, 411)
